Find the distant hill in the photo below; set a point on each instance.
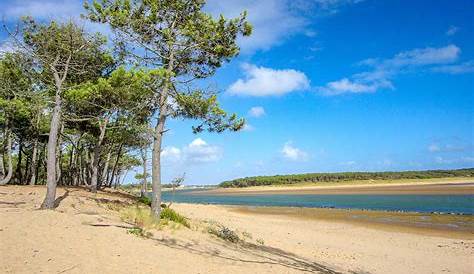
(344, 176)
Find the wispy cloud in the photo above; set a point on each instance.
(382, 71)
(256, 112)
(274, 21)
(452, 30)
(261, 81)
(466, 67)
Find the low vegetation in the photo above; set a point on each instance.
(344, 176)
(224, 233)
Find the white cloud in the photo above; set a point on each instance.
(256, 112)
(274, 21)
(196, 152)
(171, 153)
(452, 30)
(384, 70)
(347, 86)
(292, 153)
(261, 81)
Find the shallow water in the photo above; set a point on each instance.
(461, 204)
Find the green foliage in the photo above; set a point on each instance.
(145, 200)
(171, 215)
(344, 176)
(186, 42)
(54, 45)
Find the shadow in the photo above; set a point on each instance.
(265, 254)
(12, 203)
(61, 198)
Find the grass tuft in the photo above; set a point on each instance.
(171, 215)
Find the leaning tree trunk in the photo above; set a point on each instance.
(51, 183)
(105, 171)
(119, 152)
(8, 138)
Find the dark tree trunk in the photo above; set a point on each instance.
(8, 139)
(18, 172)
(96, 156)
(114, 169)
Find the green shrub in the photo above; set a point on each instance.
(171, 215)
(145, 200)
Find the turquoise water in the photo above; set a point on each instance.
(460, 204)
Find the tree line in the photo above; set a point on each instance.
(78, 110)
(344, 176)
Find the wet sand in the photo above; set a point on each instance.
(442, 225)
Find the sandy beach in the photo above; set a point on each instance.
(84, 236)
(453, 186)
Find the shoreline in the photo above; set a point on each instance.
(441, 186)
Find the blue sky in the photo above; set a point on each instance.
(330, 85)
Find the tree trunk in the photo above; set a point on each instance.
(115, 165)
(18, 172)
(8, 138)
(96, 156)
(51, 182)
(145, 173)
(157, 140)
(156, 167)
(33, 162)
(106, 169)
(59, 152)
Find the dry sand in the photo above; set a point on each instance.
(81, 236)
(452, 186)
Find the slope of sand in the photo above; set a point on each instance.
(81, 236)
(453, 186)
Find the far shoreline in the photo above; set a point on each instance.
(438, 186)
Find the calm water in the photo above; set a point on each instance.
(417, 203)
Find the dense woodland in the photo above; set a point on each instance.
(344, 176)
(78, 110)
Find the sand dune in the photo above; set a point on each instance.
(81, 236)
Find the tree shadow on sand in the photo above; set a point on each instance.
(265, 254)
